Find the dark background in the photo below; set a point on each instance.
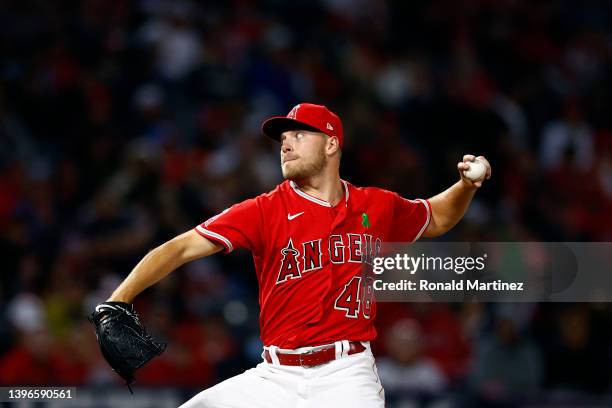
(123, 124)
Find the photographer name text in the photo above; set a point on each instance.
(453, 285)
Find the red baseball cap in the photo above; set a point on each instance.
(307, 116)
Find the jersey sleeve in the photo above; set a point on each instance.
(410, 218)
(235, 227)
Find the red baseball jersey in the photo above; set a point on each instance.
(308, 257)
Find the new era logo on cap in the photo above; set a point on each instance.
(306, 116)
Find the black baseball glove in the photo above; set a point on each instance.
(124, 342)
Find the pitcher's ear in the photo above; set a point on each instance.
(333, 143)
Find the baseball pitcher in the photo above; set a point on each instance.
(309, 237)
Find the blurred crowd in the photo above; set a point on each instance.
(124, 123)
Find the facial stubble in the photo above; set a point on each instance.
(305, 169)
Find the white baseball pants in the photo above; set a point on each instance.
(349, 381)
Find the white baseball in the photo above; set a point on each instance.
(477, 170)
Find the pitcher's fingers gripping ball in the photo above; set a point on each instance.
(474, 170)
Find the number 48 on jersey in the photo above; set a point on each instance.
(356, 297)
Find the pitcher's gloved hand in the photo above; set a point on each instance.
(123, 340)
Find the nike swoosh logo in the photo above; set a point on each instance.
(290, 217)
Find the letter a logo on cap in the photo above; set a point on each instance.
(293, 113)
(329, 126)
